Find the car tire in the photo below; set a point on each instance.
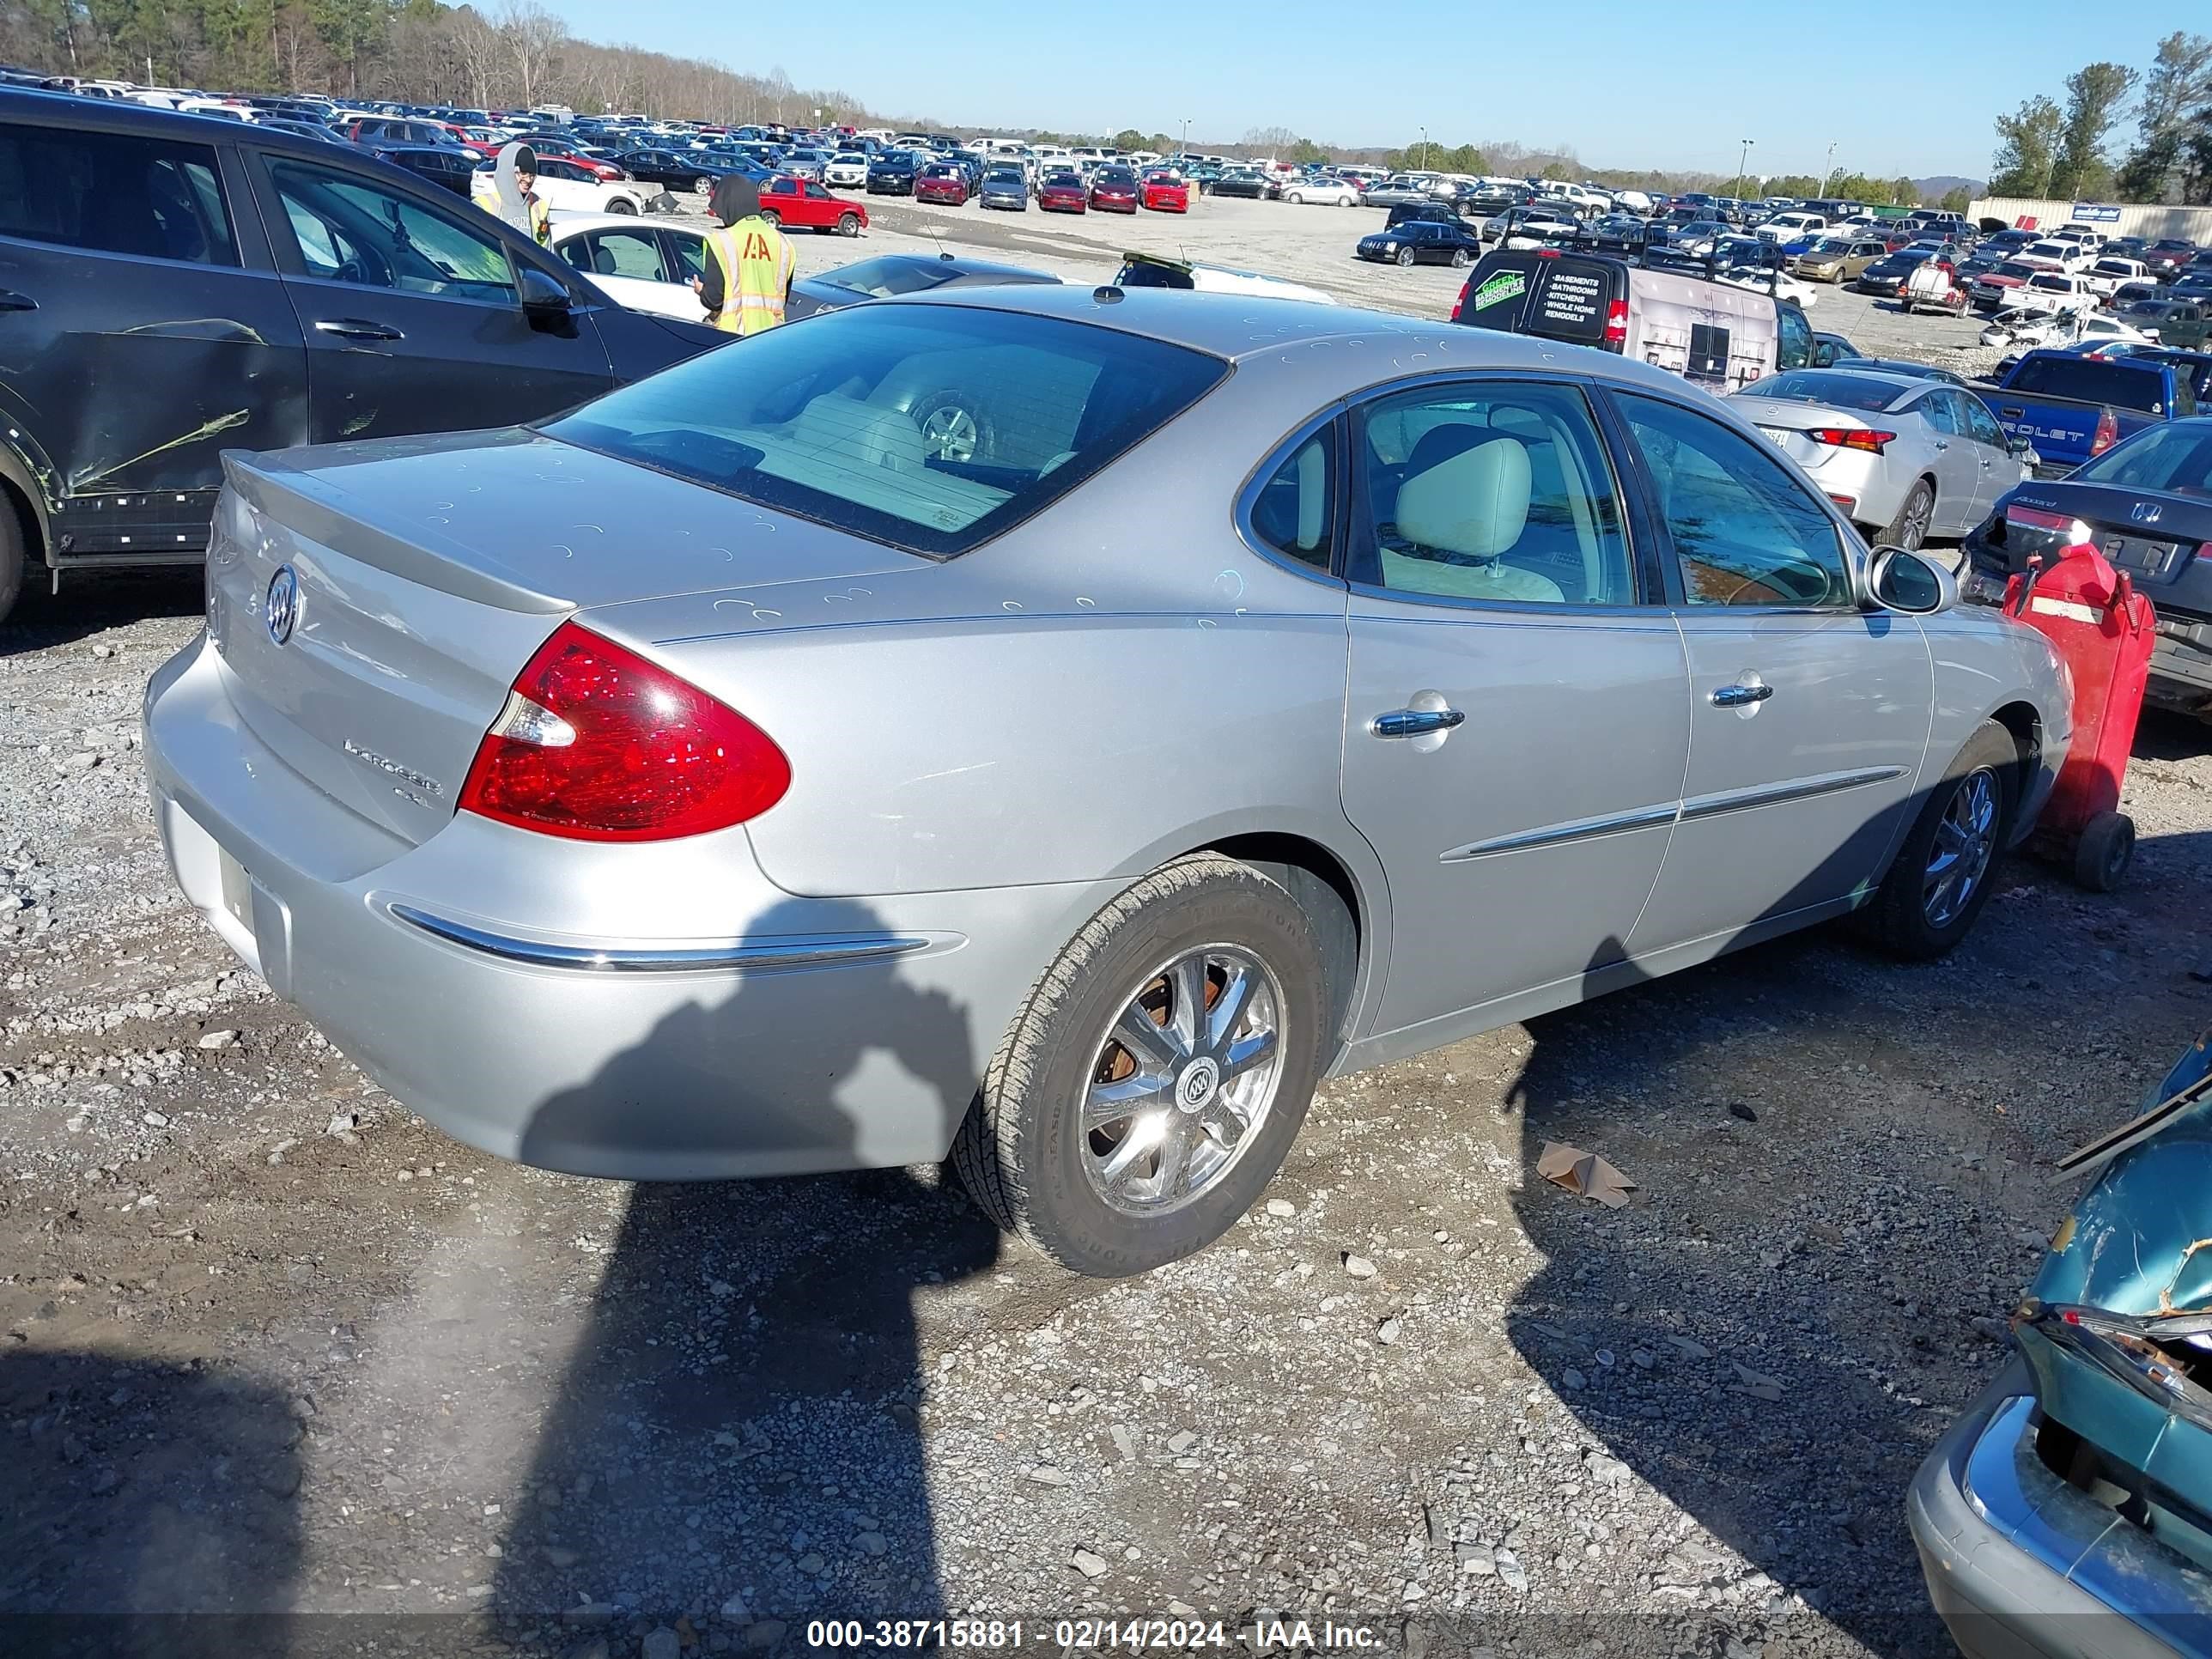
(1904, 916)
(1024, 1152)
(770, 216)
(1404, 256)
(702, 187)
(849, 224)
(13, 559)
(1909, 529)
(620, 205)
(1294, 199)
(1461, 258)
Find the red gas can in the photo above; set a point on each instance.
(2103, 630)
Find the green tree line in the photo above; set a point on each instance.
(2065, 149)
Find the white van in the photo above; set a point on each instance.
(1713, 334)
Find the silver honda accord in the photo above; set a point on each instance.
(1052, 729)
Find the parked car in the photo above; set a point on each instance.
(1113, 1009)
(1422, 242)
(1324, 193)
(2055, 253)
(1908, 367)
(1793, 227)
(1435, 212)
(1247, 182)
(1063, 192)
(2073, 409)
(2167, 256)
(453, 170)
(2109, 274)
(1829, 349)
(1164, 193)
(893, 172)
(2184, 323)
(889, 275)
(1767, 279)
(2064, 1500)
(2055, 293)
(1156, 271)
(1005, 186)
(560, 185)
(1889, 274)
(647, 264)
(846, 170)
(2194, 368)
(1839, 259)
(1905, 457)
(331, 296)
(1521, 229)
(1114, 190)
(945, 182)
(806, 204)
(693, 170)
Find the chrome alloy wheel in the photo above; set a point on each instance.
(1184, 1078)
(1965, 839)
(949, 434)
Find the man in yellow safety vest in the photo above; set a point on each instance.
(747, 273)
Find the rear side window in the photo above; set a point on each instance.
(115, 194)
(932, 428)
(1294, 510)
(2118, 384)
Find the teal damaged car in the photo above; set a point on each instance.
(2068, 1511)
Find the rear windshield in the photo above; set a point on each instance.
(2175, 457)
(930, 427)
(1804, 386)
(2123, 385)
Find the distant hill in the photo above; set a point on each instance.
(1934, 188)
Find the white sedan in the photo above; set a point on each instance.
(1327, 192)
(1783, 285)
(563, 187)
(846, 170)
(643, 264)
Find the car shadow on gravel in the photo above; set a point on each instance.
(148, 1509)
(1752, 1399)
(89, 605)
(737, 1435)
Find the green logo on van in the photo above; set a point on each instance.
(1505, 285)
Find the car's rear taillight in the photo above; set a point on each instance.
(2107, 432)
(1851, 437)
(1616, 324)
(2069, 530)
(596, 743)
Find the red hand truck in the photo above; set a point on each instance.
(2103, 631)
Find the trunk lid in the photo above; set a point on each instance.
(2154, 538)
(422, 573)
(1786, 422)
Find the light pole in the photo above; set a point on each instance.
(1424, 148)
(1742, 162)
(1183, 149)
(1830, 172)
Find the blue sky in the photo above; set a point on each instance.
(1899, 86)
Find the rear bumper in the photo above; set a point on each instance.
(592, 1024)
(2020, 1565)
(2180, 669)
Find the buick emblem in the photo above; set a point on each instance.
(2144, 512)
(283, 606)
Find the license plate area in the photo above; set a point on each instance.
(237, 888)
(2156, 560)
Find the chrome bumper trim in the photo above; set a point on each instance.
(741, 957)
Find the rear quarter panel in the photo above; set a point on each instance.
(1111, 684)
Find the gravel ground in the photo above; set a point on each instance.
(274, 1346)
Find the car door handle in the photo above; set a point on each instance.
(358, 328)
(1939, 444)
(1737, 696)
(11, 301)
(1415, 722)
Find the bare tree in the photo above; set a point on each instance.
(534, 37)
(479, 54)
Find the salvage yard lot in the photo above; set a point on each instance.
(1309, 245)
(267, 1342)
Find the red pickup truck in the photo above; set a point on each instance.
(802, 205)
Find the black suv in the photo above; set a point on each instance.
(170, 288)
(893, 174)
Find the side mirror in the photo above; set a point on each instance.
(1907, 583)
(2022, 449)
(544, 299)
